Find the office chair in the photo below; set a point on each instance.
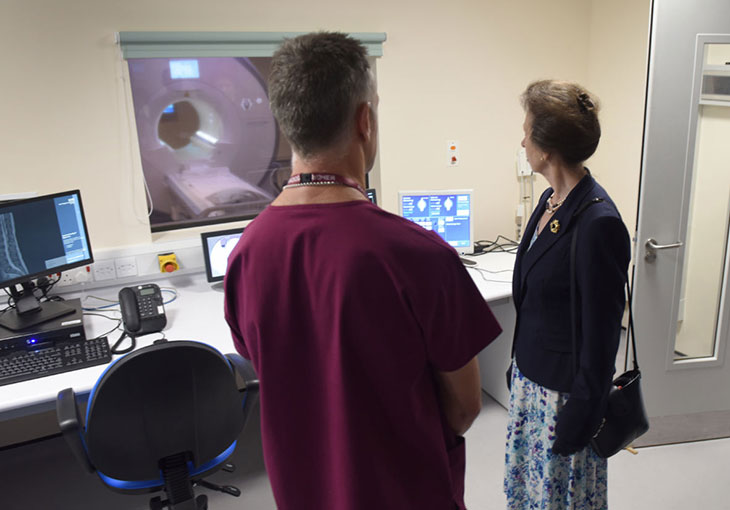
(161, 417)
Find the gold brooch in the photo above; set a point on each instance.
(554, 226)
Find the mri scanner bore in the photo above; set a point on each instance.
(211, 150)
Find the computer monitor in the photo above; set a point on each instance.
(446, 212)
(40, 236)
(217, 246)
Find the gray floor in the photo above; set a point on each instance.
(44, 475)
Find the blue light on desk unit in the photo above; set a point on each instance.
(31, 341)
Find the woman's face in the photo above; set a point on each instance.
(535, 156)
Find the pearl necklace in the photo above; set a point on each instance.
(551, 208)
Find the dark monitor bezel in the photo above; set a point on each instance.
(206, 254)
(58, 269)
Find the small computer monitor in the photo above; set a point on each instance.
(40, 236)
(217, 246)
(446, 212)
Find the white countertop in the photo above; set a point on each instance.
(195, 314)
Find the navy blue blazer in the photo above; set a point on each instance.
(541, 291)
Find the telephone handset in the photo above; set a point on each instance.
(142, 309)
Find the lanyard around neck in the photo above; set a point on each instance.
(322, 180)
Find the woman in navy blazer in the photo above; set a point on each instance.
(555, 406)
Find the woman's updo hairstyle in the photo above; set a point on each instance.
(564, 119)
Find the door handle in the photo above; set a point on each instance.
(652, 247)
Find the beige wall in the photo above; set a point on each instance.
(619, 41)
(451, 70)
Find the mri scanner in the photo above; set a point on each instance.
(207, 137)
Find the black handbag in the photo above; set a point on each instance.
(625, 417)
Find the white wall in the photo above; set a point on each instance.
(451, 70)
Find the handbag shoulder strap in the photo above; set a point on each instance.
(630, 331)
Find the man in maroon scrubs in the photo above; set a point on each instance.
(362, 326)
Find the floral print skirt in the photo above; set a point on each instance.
(535, 478)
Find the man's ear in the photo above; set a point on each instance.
(363, 116)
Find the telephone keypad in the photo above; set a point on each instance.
(147, 306)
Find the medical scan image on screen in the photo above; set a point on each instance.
(41, 235)
(219, 248)
(447, 214)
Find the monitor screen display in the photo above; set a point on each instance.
(182, 69)
(446, 212)
(42, 235)
(217, 246)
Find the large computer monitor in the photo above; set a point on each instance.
(217, 246)
(447, 212)
(40, 236)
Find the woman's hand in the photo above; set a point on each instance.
(577, 422)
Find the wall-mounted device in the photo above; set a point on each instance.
(168, 262)
(526, 204)
(217, 246)
(142, 309)
(40, 236)
(446, 212)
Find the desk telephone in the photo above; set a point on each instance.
(142, 309)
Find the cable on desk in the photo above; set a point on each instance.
(162, 338)
(115, 348)
(46, 284)
(505, 246)
(112, 303)
(493, 272)
(172, 291)
(482, 271)
(118, 321)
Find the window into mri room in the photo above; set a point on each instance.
(210, 148)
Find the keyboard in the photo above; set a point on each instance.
(23, 365)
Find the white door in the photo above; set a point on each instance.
(681, 305)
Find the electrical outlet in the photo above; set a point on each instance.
(125, 267)
(65, 279)
(103, 270)
(74, 276)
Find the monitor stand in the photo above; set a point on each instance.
(49, 310)
(29, 311)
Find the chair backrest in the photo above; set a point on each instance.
(161, 400)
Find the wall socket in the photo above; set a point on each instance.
(74, 276)
(126, 267)
(103, 270)
(65, 279)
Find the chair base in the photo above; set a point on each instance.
(199, 503)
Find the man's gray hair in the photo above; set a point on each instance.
(317, 81)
